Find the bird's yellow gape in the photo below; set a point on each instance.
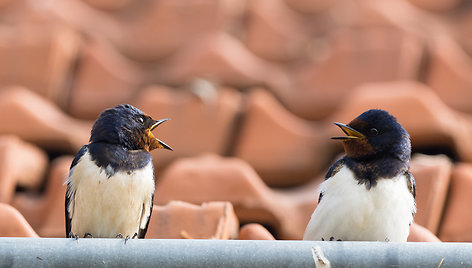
(151, 141)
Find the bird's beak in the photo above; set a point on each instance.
(157, 123)
(156, 143)
(350, 132)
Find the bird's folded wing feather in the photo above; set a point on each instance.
(331, 172)
(145, 217)
(70, 193)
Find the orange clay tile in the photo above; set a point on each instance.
(283, 149)
(162, 27)
(21, 164)
(85, 18)
(39, 121)
(314, 7)
(13, 224)
(202, 119)
(103, 79)
(109, 4)
(46, 212)
(420, 234)
(436, 5)
(146, 31)
(399, 14)
(274, 32)
(461, 25)
(354, 56)
(427, 119)
(38, 57)
(23, 12)
(254, 231)
(5, 3)
(208, 57)
(444, 64)
(177, 220)
(53, 224)
(432, 175)
(212, 178)
(448, 73)
(457, 221)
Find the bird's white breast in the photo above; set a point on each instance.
(107, 206)
(350, 211)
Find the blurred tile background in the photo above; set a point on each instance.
(251, 87)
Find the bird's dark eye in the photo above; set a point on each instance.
(140, 120)
(373, 131)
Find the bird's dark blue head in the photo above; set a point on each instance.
(375, 133)
(127, 126)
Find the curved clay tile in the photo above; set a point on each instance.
(21, 164)
(177, 220)
(212, 178)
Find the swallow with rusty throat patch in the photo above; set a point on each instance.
(369, 194)
(110, 188)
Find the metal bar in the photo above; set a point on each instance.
(68, 252)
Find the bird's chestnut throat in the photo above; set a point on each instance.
(358, 148)
(149, 141)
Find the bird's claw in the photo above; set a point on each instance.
(331, 239)
(72, 235)
(119, 235)
(88, 235)
(126, 239)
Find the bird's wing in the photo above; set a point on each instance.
(145, 217)
(411, 183)
(70, 193)
(331, 172)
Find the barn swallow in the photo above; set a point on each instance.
(369, 194)
(110, 188)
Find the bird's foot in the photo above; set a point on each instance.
(126, 238)
(88, 235)
(72, 235)
(134, 236)
(331, 239)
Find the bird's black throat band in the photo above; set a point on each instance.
(113, 158)
(368, 171)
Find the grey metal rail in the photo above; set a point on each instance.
(68, 252)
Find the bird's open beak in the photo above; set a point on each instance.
(350, 132)
(156, 142)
